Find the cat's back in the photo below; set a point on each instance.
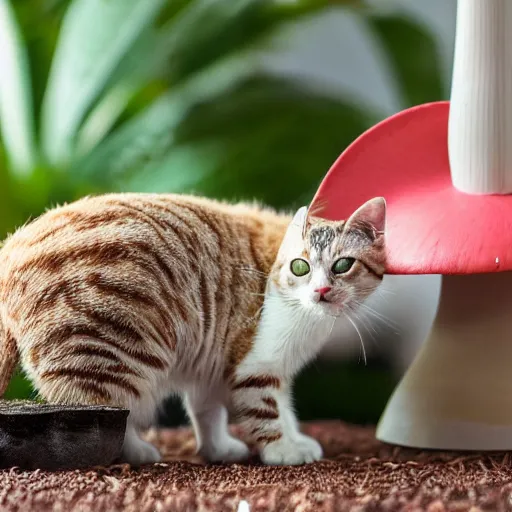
(99, 219)
(174, 251)
(102, 224)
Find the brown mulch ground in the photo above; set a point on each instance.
(359, 474)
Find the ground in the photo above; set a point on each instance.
(358, 474)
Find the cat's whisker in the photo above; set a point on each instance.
(253, 271)
(379, 316)
(255, 317)
(355, 311)
(373, 333)
(283, 299)
(367, 323)
(334, 318)
(381, 291)
(369, 328)
(359, 334)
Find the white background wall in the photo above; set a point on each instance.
(337, 52)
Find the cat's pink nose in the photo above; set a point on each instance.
(324, 290)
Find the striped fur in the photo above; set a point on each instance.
(123, 299)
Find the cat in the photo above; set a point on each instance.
(124, 299)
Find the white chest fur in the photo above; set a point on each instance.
(289, 335)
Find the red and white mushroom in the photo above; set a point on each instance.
(445, 170)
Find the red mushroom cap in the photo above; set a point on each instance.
(431, 227)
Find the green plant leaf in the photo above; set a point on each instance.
(267, 138)
(181, 169)
(286, 10)
(413, 56)
(95, 35)
(206, 31)
(147, 137)
(279, 139)
(103, 117)
(16, 114)
(135, 71)
(188, 39)
(39, 22)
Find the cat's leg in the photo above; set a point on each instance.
(94, 379)
(262, 402)
(209, 418)
(308, 442)
(136, 451)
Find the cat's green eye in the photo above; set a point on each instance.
(299, 267)
(343, 265)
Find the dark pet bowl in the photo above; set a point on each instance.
(44, 436)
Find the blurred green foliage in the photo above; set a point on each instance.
(170, 96)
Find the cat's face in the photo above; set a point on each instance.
(331, 267)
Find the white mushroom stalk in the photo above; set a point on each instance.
(458, 392)
(457, 395)
(480, 127)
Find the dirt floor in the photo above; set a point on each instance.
(358, 474)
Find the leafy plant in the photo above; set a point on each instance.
(167, 95)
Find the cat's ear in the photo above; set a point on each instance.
(293, 240)
(372, 214)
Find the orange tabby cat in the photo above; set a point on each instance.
(124, 299)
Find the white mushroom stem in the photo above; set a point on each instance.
(458, 392)
(480, 127)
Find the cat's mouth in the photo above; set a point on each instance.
(328, 306)
(327, 303)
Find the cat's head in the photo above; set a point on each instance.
(332, 266)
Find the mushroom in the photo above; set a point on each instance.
(445, 170)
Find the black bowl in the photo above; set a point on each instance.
(46, 436)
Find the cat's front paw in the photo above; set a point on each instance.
(137, 452)
(291, 452)
(312, 445)
(228, 449)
